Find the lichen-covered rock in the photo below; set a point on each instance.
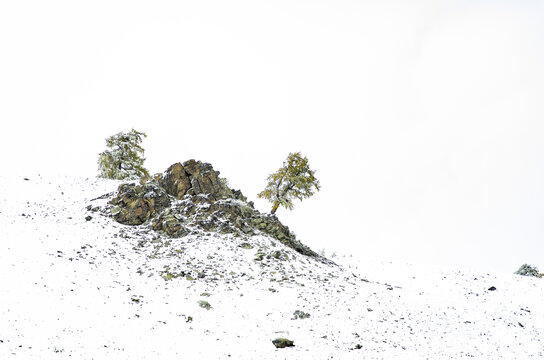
(176, 181)
(170, 223)
(194, 178)
(135, 204)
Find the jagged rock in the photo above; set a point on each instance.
(175, 181)
(135, 204)
(193, 178)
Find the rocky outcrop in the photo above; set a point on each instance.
(135, 204)
(194, 178)
(191, 198)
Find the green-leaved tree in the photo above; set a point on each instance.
(125, 157)
(294, 180)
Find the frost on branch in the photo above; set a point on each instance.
(294, 180)
(528, 270)
(124, 158)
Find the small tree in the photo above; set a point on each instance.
(125, 158)
(294, 180)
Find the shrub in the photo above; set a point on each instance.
(125, 157)
(528, 270)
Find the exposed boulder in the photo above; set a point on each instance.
(281, 343)
(176, 181)
(194, 178)
(135, 204)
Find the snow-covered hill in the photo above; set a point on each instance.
(76, 284)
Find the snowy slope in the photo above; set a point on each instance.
(95, 289)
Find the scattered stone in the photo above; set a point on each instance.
(281, 343)
(492, 288)
(93, 209)
(278, 255)
(298, 314)
(88, 217)
(204, 304)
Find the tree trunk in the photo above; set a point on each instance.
(274, 208)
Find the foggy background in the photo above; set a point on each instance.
(422, 119)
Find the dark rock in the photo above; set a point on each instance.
(492, 288)
(281, 343)
(88, 218)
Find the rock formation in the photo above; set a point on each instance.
(190, 198)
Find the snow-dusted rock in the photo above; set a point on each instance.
(134, 204)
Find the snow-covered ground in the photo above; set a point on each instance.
(95, 289)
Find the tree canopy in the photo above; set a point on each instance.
(294, 180)
(125, 157)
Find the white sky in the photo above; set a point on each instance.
(423, 119)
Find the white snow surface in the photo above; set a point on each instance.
(96, 289)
